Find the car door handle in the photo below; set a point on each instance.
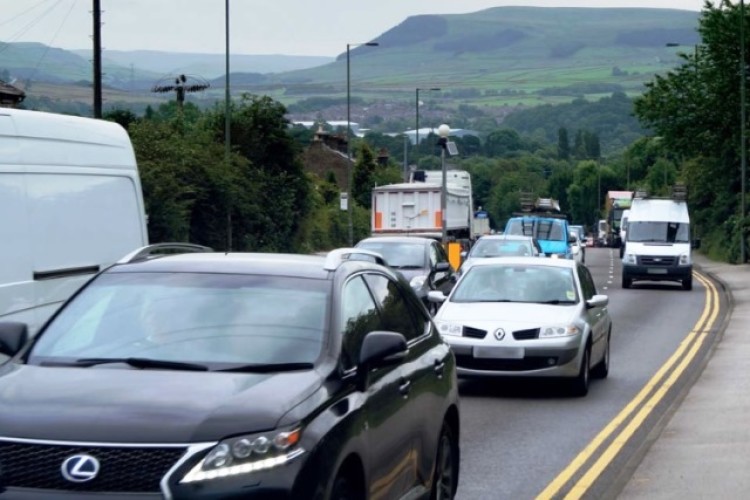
(404, 387)
(439, 367)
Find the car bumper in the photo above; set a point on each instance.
(657, 273)
(552, 358)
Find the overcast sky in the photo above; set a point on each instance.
(290, 27)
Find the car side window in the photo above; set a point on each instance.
(397, 314)
(359, 317)
(587, 282)
(434, 256)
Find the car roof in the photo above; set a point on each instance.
(307, 266)
(397, 239)
(532, 261)
(506, 237)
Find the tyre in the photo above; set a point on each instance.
(687, 283)
(445, 478)
(627, 282)
(580, 385)
(345, 489)
(601, 370)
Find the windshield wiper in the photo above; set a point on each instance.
(411, 266)
(267, 368)
(557, 301)
(134, 362)
(493, 300)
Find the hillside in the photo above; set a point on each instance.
(495, 60)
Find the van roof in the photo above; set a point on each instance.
(55, 140)
(659, 210)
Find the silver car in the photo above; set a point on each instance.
(525, 316)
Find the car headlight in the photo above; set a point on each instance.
(247, 454)
(417, 282)
(685, 259)
(628, 258)
(558, 331)
(453, 329)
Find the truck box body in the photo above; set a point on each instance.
(415, 209)
(72, 204)
(657, 245)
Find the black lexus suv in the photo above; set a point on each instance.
(229, 375)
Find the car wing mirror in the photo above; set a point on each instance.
(442, 267)
(436, 296)
(13, 336)
(597, 301)
(381, 348)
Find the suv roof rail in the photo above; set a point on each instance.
(159, 249)
(334, 258)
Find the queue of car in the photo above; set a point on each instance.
(198, 374)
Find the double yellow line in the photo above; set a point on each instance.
(657, 387)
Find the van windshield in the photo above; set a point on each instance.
(658, 232)
(542, 229)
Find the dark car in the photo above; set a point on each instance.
(221, 375)
(422, 261)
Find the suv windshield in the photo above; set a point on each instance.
(190, 317)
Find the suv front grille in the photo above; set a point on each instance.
(123, 469)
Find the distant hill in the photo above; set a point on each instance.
(499, 57)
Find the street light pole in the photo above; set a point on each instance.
(349, 198)
(416, 130)
(227, 118)
(743, 145)
(444, 131)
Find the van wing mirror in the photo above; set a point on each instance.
(13, 336)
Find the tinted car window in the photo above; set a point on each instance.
(360, 317)
(397, 314)
(197, 317)
(587, 282)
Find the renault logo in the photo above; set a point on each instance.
(499, 334)
(80, 468)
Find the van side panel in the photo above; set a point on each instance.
(70, 204)
(16, 288)
(78, 224)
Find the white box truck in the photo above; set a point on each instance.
(71, 204)
(657, 242)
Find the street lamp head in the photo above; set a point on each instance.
(372, 44)
(444, 130)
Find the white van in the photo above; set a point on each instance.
(657, 245)
(71, 204)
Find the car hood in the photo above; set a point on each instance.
(150, 406)
(514, 315)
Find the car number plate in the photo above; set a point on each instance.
(657, 271)
(498, 352)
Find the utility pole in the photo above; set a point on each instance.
(97, 12)
(743, 146)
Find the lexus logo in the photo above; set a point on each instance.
(80, 468)
(499, 334)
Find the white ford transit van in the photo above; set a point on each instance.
(70, 205)
(657, 244)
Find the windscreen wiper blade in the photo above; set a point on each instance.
(267, 368)
(557, 301)
(134, 362)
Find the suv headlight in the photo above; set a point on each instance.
(558, 331)
(452, 329)
(247, 454)
(685, 259)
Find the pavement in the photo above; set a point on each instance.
(703, 452)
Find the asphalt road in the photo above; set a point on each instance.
(527, 438)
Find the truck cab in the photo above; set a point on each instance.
(657, 245)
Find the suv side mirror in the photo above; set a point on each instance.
(13, 336)
(381, 348)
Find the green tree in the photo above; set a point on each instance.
(563, 144)
(363, 176)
